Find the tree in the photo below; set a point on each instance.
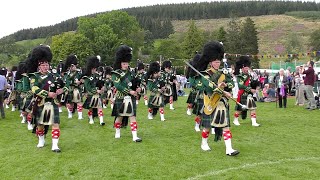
(249, 39)
(71, 43)
(233, 42)
(108, 30)
(167, 48)
(314, 40)
(193, 40)
(249, 36)
(105, 43)
(219, 35)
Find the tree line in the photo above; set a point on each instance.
(158, 17)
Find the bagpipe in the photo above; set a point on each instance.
(211, 102)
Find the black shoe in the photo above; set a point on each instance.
(102, 124)
(234, 153)
(138, 140)
(307, 108)
(56, 150)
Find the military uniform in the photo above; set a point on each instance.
(41, 85)
(245, 83)
(123, 82)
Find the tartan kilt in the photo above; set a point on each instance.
(87, 102)
(192, 97)
(118, 103)
(150, 105)
(69, 98)
(65, 101)
(56, 117)
(243, 100)
(198, 105)
(206, 120)
(24, 103)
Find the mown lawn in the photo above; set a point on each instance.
(286, 146)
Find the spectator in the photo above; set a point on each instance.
(309, 83)
(3, 88)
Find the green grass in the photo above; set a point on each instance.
(284, 147)
(31, 43)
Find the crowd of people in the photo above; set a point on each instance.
(39, 91)
(303, 83)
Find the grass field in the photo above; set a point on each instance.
(286, 146)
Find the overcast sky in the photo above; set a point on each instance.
(23, 14)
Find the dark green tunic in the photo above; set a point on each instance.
(123, 82)
(41, 85)
(209, 89)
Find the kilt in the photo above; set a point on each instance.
(118, 103)
(60, 96)
(206, 120)
(192, 97)
(198, 105)
(24, 103)
(150, 105)
(69, 98)
(87, 102)
(243, 100)
(56, 117)
(166, 99)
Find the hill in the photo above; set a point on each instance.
(273, 33)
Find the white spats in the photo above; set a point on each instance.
(197, 127)
(254, 122)
(117, 135)
(189, 112)
(23, 119)
(146, 102)
(162, 117)
(69, 114)
(150, 116)
(80, 115)
(171, 107)
(41, 141)
(236, 122)
(204, 144)
(135, 137)
(30, 127)
(55, 147)
(91, 120)
(101, 121)
(60, 109)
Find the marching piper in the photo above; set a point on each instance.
(127, 91)
(45, 105)
(217, 87)
(170, 94)
(156, 85)
(93, 85)
(72, 78)
(247, 87)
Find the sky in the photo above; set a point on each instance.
(16, 15)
